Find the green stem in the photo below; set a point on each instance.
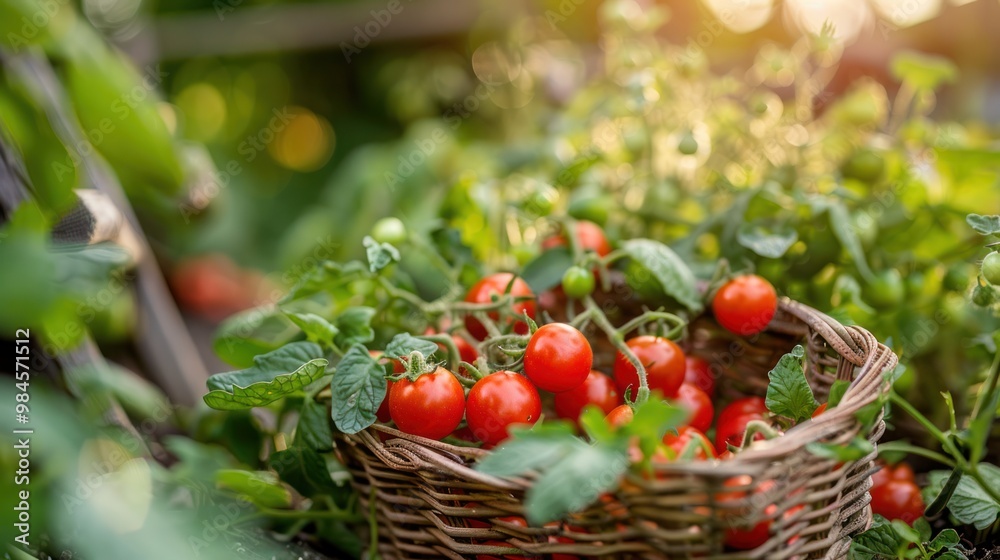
(651, 316)
(454, 357)
(372, 527)
(986, 391)
(904, 447)
(616, 338)
(902, 403)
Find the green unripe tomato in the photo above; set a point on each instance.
(885, 290)
(590, 208)
(687, 145)
(864, 165)
(991, 268)
(958, 276)
(577, 282)
(542, 201)
(984, 296)
(389, 230)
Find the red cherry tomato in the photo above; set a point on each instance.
(699, 373)
(598, 389)
(684, 436)
(620, 416)
(698, 404)
(745, 305)
(473, 522)
(664, 363)
(733, 420)
(432, 406)
(740, 407)
(589, 237)
(495, 284)
(898, 499)
(499, 400)
(558, 358)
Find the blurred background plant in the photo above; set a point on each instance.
(836, 147)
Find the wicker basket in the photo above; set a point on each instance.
(430, 503)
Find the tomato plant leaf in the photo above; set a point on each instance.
(304, 470)
(250, 333)
(767, 243)
(574, 482)
(840, 222)
(854, 450)
(313, 430)
(403, 344)
(944, 540)
(273, 376)
(358, 389)
(531, 449)
(986, 225)
(380, 255)
(546, 270)
(788, 392)
(316, 328)
(837, 392)
(880, 542)
(971, 504)
(668, 269)
(325, 277)
(595, 425)
(260, 487)
(651, 421)
(354, 326)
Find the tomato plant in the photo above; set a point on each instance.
(558, 358)
(745, 304)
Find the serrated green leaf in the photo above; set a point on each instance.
(250, 333)
(767, 243)
(906, 533)
(837, 391)
(261, 487)
(667, 269)
(945, 539)
(574, 482)
(788, 392)
(313, 429)
(986, 225)
(878, 543)
(317, 329)
(651, 421)
(354, 324)
(923, 529)
(531, 449)
(273, 376)
(854, 450)
(304, 470)
(546, 270)
(972, 505)
(328, 276)
(403, 344)
(595, 424)
(358, 389)
(380, 255)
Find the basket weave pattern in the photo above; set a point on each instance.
(430, 503)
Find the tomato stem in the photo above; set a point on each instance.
(650, 316)
(987, 390)
(616, 338)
